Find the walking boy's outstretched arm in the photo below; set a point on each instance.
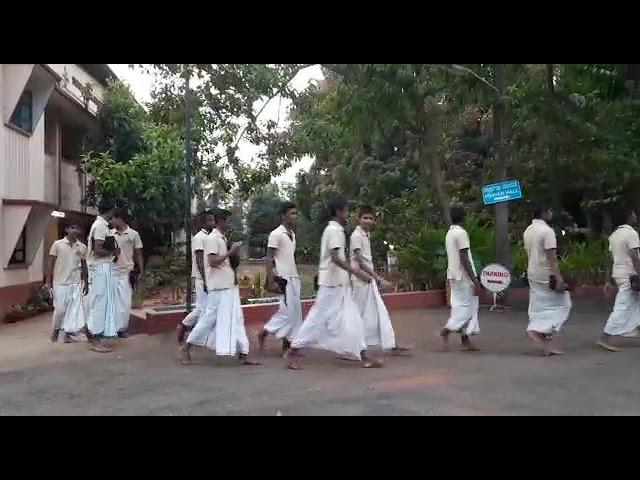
(343, 264)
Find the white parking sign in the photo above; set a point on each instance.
(495, 278)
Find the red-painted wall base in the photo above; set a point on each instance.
(15, 295)
(163, 322)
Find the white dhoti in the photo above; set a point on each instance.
(102, 318)
(378, 330)
(464, 308)
(333, 324)
(201, 305)
(548, 309)
(123, 296)
(625, 317)
(221, 327)
(68, 308)
(286, 322)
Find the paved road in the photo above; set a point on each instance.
(143, 378)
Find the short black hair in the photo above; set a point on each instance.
(457, 214)
(285, 207)
(539, 210)
(105, 205)
(335, 206)
(366, 210)
(621, 215)
(71, 225)
(221, 214)
(121, 213)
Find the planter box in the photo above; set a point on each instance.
(166, 320)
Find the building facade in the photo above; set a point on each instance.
(48, 111)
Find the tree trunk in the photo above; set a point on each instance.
(502, 245)
(431, 170)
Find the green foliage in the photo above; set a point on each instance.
(586, 263)
(262, 217)
(425, 258)
(122, 124)
(150, 183)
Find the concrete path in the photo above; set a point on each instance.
(142, 376)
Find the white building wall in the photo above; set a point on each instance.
(27, 173)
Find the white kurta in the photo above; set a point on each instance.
(221, 327)
(123, 298)
(378, 330)
(286, 322)
(102, 318)
(68, 313)
(625, 317)
(548, 309)
(333, 324)
(201, 305)
(464, 308)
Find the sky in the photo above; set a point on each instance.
(141, 84)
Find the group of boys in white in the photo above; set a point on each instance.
(103, 270)
(549, 294)
(342, 320)
(348, 315)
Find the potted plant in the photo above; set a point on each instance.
(244, 284)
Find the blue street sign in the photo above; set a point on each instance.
(501, 192)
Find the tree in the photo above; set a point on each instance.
(262, 217)
(229, 101)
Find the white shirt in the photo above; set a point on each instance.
(128, 241)
(538, 239)
(330, 274)
(457, 239)
(285, 247)
(198, 243)
(222, 276)
(622, 244)
(69, 257)
(360, 240)
(99, 231)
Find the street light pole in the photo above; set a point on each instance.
(188, 157)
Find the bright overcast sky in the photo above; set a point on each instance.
(142, 84)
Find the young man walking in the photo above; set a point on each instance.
(221, 327)
(102, 250)
(130, 257)
(334, 323)
(67, 278)
(464, 284)
(549, 299)
(281, 249)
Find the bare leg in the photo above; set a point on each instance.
(444, 334)
(245, 360)
(467, 344)
(181, 333)
(97, 344)
(605, 342)
(539, 341)
(368, 363)
(69, 339)
(286, 345)
(261, 339)
(55, 334)
(185, 355)
(293, 359)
